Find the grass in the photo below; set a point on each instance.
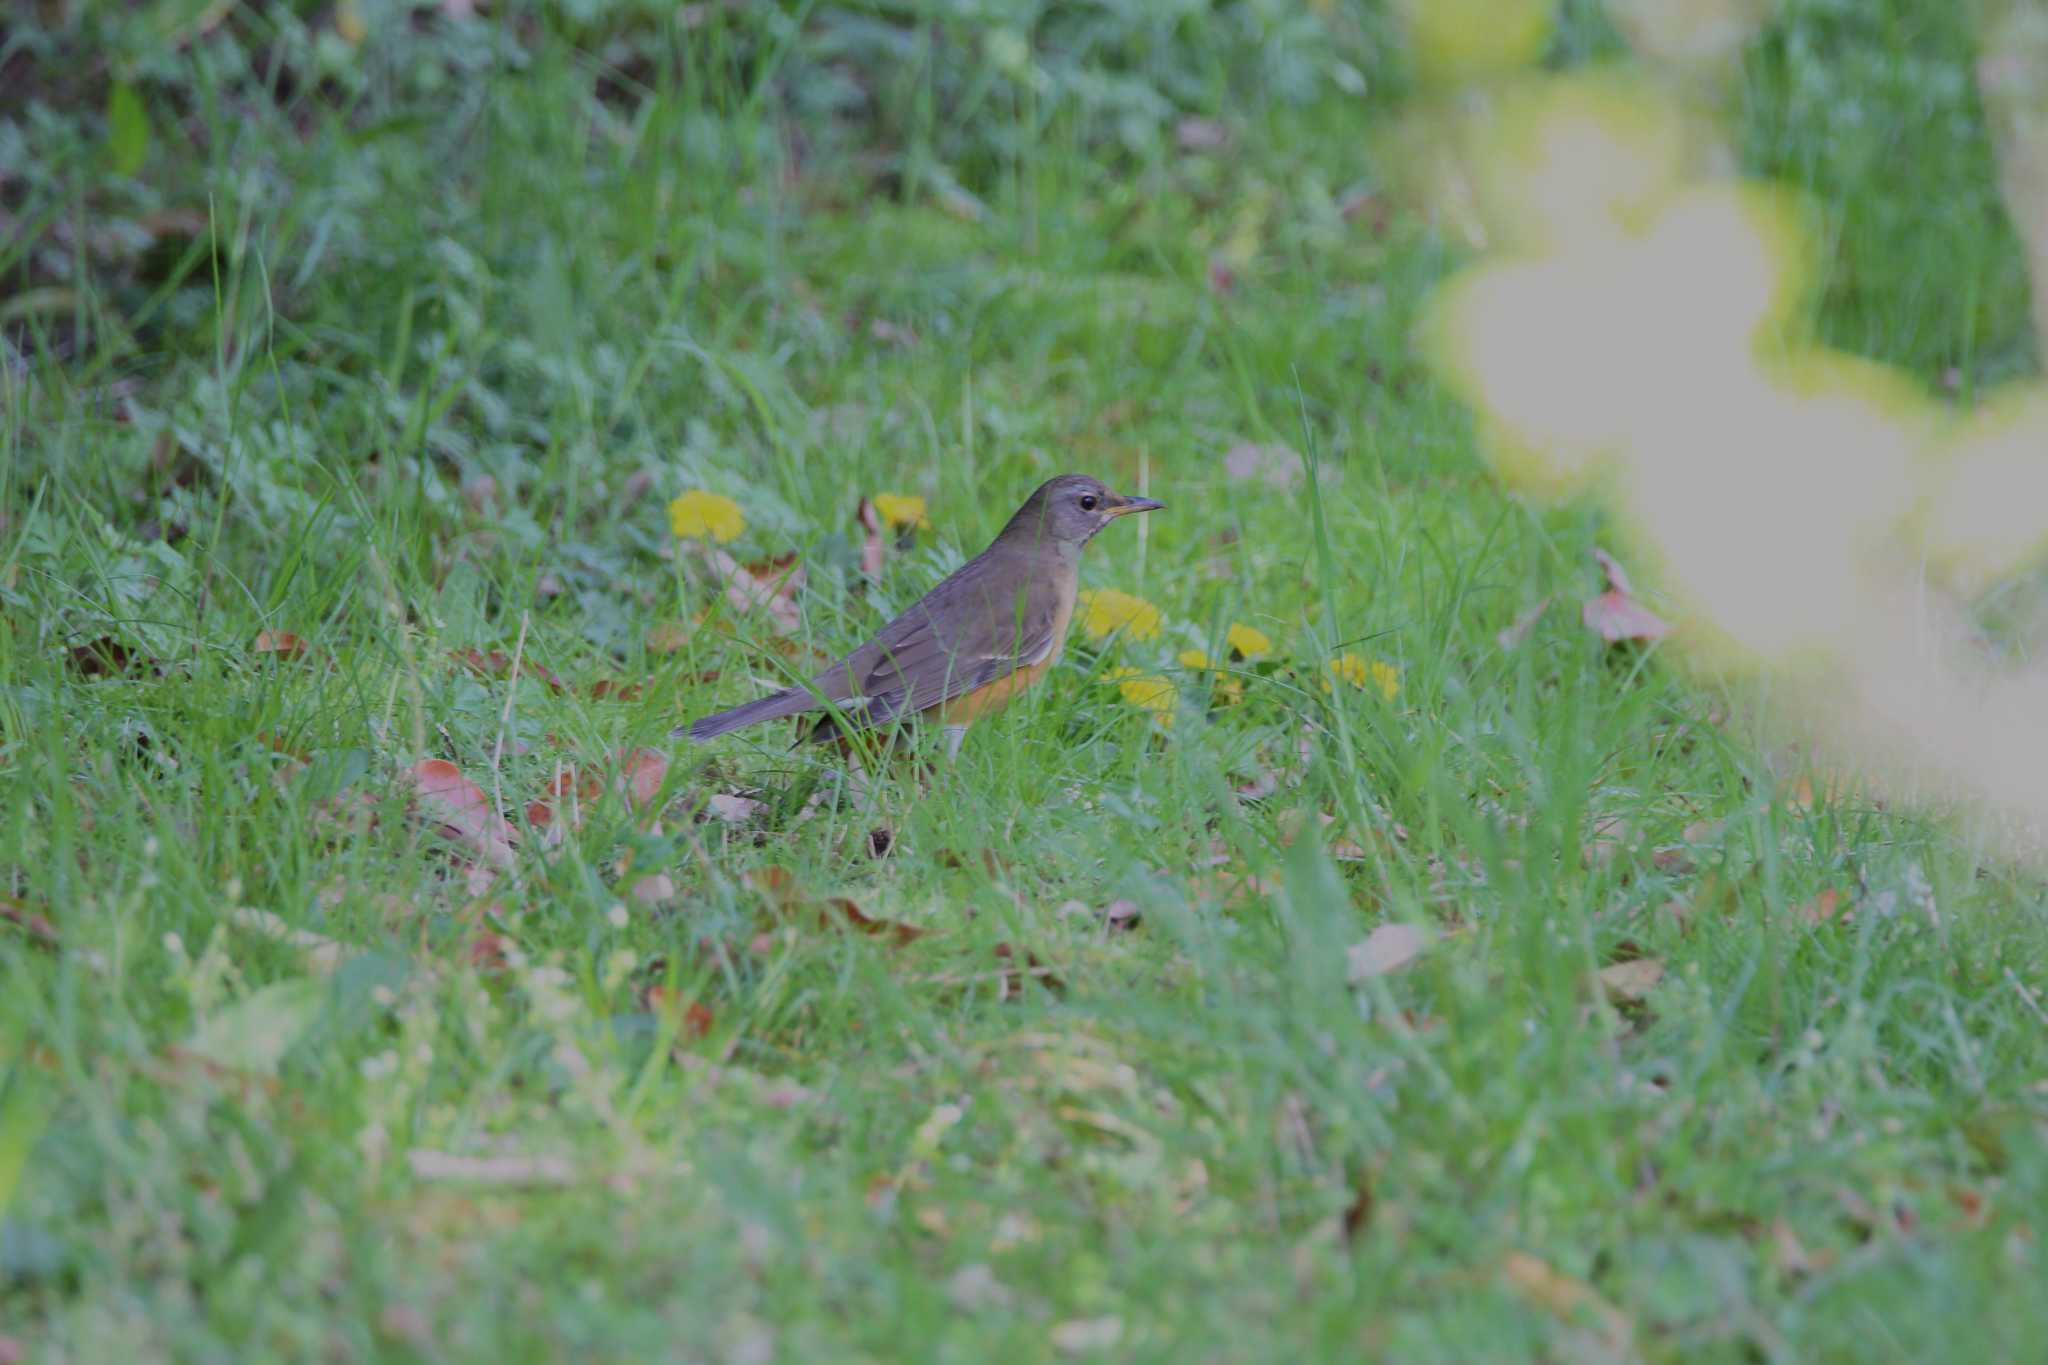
(594, 289)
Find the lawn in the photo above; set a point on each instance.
(1424, 980)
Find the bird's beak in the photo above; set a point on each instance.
(1125, 505)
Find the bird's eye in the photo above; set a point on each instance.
(1087, 502)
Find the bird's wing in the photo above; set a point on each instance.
(978, 626)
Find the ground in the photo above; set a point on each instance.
(1433, 982)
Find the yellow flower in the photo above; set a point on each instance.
(902, 510)
(705, 516)
(1246, 642)
(1104, 611)
(1361, 672)
(1227, 689)
(1146, 690)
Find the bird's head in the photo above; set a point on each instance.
(1070, 509)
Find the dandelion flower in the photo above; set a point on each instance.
(903, 511)
(1147, 691)
(1361, 672)
(1246, 642)
(1105, 611)
(698, 515)
(1227, 689)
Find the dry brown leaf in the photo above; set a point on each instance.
(565, 790)
(641, 773)
(732, 810)
(498, 664)
(282, 643)
(656, 888)
(611, 689)
(770, 586)
(1518, 630)
(668, 637)
(462, 810)
(1388, 948)
(1821, 908)
(1566, 1298)
(873, 547)
(697, 1017)
(1615, 615)
(1631, 981)
(778, 886)
(107, 657)
(39, 930)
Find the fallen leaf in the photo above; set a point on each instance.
(769, 586)
(778, 885)
(508, 1168)
(642, 771)
(1518, 630)
(610, 689)
(1234, 888)
(1386, 949)
(656, 888)
(282, 643)
(1791, 1254)
(1014, 973)
(1086, 1336)
(485, 951)
(873, 548)
(1631, 981)
(667, 637)
(106, 657)
(1615, 615)
(462, 810)
(1193, 133)
(1821, 908)
(39, 930)
(733, 810)
(567, 788)
(1358, 1213)
(498, 664)
(1566, 1298)
(867, 924)
(697, 1017)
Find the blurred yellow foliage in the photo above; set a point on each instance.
(698, 515)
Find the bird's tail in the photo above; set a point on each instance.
(788, 702)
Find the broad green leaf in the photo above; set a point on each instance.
(255, 1032)
(127, 129)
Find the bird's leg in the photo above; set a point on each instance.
(954, 734)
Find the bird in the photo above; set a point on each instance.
(967, 647)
